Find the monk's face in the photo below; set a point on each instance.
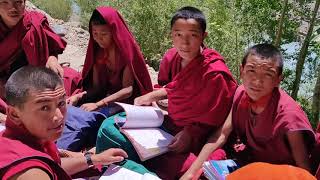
(43, 113)
(187, 37)
(11, 11)
(260, 76)
(102, 35)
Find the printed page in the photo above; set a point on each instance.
(150, 137)
(148, 142)
(141, 116)
(121, 173)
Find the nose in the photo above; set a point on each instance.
(257, 80)
(59, 115)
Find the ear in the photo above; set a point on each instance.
(205, 34)
(278, 80)
(241, 70)
(13, 114)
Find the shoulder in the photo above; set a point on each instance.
(30, 168)
(32, 173)
(286, 104)
(16, 150)
(170, 54)
(34, 17)
(289, 114)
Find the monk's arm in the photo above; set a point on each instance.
(73, 165)
(33, 173)
(124, 93)
(215, 141)
(153, 96)
(298, 149)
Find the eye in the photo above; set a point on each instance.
(45, 108)
(177, 34)
(62, 104)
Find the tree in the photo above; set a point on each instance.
(280, 24)
(303, 52)
(316, 98)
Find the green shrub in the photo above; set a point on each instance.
(58, 9)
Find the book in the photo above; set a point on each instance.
(219, 169)
(121, 173)
(142, 126)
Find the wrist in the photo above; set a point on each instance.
(89, 159)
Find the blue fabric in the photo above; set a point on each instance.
(80, 129)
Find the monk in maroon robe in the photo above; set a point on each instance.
(35, 120)
(114, 69)
(267, 124)
(26, 39)
(199, 95)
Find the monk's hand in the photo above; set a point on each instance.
(109, 156)
(73, 100)
(186, 176)
(3, 118)
(52, 63)
(181, 142)
(142, 101)
(89, 106)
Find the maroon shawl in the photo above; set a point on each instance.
(128, 52)
(170, 66)
(265, 140)
(19, 146)
(33, 36)
(31, 41)
(202, 92)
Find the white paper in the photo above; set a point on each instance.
(150, 137)
(121, 173)
(141, 116)
(2, 127)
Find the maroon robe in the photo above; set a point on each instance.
(200, 95)
(127, 53)
(31, 42)
(170, 66)
(200, 98)
(21, 151)
(265, 134)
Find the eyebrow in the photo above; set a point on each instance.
(44, 100)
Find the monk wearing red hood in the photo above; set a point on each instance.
(265, 124)
(114, 68)
(200, 96)
(25, 39)
(35, 119)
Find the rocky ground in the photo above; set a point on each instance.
(76, 38)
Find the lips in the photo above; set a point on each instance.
(58, 127)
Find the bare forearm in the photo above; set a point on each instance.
(73, 165)
(118, 96)
(213, 144)
(158, 95)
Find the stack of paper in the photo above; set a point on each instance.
(218, 170)
(121, 173)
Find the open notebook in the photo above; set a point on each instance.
(141, 125)
(121, 173)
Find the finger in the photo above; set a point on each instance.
(116, 159)
(81, 94)
(60, 71)
(119, 152)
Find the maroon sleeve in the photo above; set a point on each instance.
(25, 165)
(164, 70)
